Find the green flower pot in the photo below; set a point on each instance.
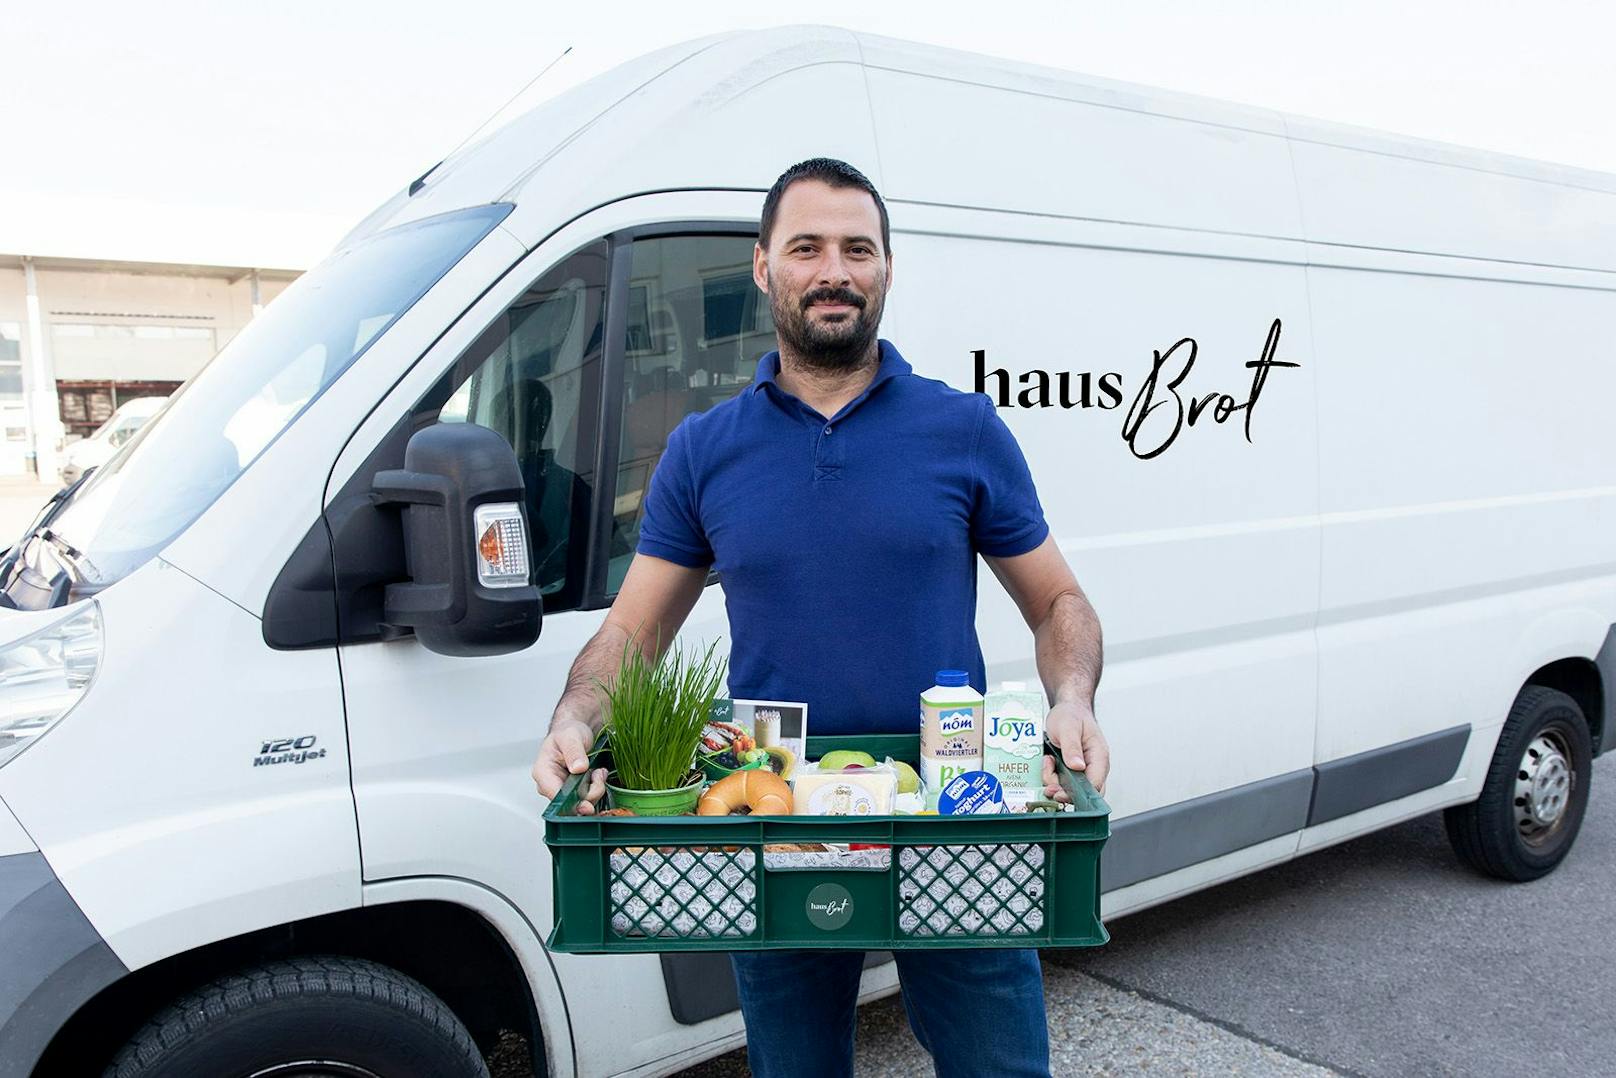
(680, 801)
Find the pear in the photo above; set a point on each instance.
(908, 781)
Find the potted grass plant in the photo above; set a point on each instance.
(655, 711)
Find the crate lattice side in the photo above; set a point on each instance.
(682, 892)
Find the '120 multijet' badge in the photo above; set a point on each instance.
(288, 750)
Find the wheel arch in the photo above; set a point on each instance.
(1585, 681)
(454, 950)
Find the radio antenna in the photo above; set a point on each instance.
(421, 181)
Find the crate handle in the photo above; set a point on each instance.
(1076, 783)
(566, 799)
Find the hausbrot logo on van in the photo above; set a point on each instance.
(1158, 401)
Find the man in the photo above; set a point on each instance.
(844, 500)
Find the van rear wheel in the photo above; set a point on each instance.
(1536, 792)
(321, 1016)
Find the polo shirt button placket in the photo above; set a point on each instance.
(827, 456)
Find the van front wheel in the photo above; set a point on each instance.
(321, 1016)
(1536, 791)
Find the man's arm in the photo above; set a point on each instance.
(656, 597)
(1070, 650)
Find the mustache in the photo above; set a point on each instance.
(833, 295)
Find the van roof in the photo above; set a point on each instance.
(728, 111)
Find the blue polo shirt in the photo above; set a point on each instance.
(846, 547)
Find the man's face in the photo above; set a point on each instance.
(825, 273)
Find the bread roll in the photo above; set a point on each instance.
(762, 792)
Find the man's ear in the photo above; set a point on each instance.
(760, 268)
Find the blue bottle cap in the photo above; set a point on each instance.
(953, 677)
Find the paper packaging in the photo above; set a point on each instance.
(1013, 742)
(867, 791)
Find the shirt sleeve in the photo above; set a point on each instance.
(670, 527)
(1006, 517)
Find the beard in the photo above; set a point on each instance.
(827, 346)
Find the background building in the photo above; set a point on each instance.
(80, 336)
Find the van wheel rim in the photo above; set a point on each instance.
(1543, 784)
(315, 1068)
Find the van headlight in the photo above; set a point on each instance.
(43, 675)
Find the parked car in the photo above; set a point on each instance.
(250, 764)
(97, 448)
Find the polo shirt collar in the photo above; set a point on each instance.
(892, 364)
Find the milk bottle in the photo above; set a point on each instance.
(1013, 742)
(950, 731)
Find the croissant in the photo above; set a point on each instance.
(758, 791)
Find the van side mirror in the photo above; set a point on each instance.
(466, 547)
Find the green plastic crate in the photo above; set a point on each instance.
(703, 883)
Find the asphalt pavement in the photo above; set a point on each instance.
(1381, 956)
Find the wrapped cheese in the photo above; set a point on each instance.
(864, 791)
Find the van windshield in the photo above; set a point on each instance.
(226, 414)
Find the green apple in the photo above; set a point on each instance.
(908, 781)
(840, 758)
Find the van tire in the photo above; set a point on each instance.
(371, 1019)
(1545, 746)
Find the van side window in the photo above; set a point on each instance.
(696, 327)
(534, 376)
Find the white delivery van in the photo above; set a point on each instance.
(96, 449)
(275, 675)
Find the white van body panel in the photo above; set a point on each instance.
(488, 167)
(1196, 656)
(13, 839)
(145, 798)
(991, 146)
(721, 111)
(1455, 517)
(730, 117)
(883, 53)
(1377, 191)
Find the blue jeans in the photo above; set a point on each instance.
(978, 1012)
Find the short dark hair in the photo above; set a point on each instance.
(826, 170)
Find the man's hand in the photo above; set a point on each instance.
(565, 752)
(1071, 728)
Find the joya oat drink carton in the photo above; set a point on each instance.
(1013, 742)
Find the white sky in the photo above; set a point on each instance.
(258, 134)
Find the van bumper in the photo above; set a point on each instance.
(51, 960)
